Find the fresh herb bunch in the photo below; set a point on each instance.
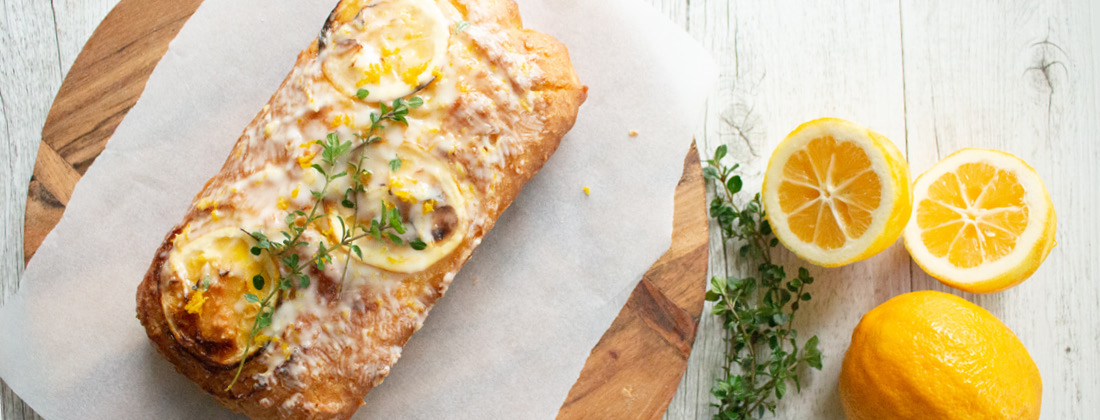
(387, 226)
(757, 311)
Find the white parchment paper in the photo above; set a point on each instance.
(515, 328)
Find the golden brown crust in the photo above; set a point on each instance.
(212, 379)
(331, 392)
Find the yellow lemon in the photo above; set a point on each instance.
(931, 355)
(836, 192)
(983, 221)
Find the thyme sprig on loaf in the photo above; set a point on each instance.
(386, 227)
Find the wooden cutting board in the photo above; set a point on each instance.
(632, 373)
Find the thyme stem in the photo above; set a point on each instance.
(757, 311)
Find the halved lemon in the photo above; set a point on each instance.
(983, 221)
(836, 192)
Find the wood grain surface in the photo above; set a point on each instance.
(104, 82)
(1022, 76)
(633, 371)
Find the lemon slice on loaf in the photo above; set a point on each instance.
(388, 53)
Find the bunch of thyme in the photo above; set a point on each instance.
(387, 226)
(757, 311)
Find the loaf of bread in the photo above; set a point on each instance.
(352, 199)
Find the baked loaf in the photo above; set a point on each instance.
(289, 289)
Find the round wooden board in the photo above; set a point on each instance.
(632, 373)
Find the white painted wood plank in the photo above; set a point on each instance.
(76, 20)
(675, 10)
(1022, 77)
(784, 63)
(29, 76)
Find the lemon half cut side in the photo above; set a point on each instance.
(983, 221)
(836, 192)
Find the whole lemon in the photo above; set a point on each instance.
(932, 355)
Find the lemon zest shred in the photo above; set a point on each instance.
(206, 203)
(404, 196)
(306, 160)
(371, 76)
(396, 187)
(411, 76)
(194, 303)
